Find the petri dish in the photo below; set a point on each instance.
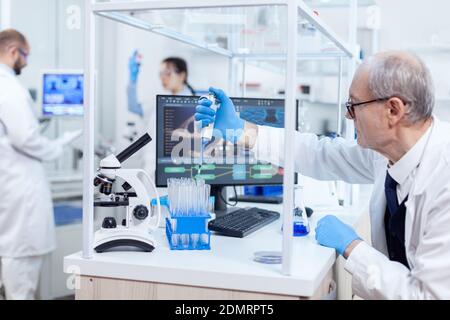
(268, 257)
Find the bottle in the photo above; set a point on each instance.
(300, 219)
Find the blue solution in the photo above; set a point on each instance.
(300, 230)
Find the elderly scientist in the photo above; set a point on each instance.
(403, 150)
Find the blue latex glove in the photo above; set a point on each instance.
(133, 105)
(333, 233)
(225, 119)
(134, 66)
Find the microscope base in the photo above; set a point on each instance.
(123, 239)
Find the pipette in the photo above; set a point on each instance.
(206, 133)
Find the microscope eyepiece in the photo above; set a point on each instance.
(133, 148)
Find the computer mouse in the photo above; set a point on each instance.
(309, 211)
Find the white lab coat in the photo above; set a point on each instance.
(427, 223)
(26, 211)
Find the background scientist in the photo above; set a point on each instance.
(174, 79)
(27, 230)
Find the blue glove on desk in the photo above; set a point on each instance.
(134, 66)
(333, 233)
(225, 119)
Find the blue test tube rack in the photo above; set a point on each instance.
(188, 232)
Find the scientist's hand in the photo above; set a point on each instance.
(134, 66)
(225, 119)
(333, 233)
(69, 136)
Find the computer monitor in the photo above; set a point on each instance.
(177, 112)
(62, 93)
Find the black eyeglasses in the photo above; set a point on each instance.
(23, 53)
(351, 106)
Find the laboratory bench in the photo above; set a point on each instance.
(227, 271)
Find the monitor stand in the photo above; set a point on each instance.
(220, 193)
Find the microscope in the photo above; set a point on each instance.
(131, 192)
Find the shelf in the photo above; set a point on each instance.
(310, 69)
(442, 100)
(437, 48)
(251, 29)
(64, 177)
(338, 3)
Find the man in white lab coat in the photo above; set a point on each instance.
(26, 212)
(403, 150)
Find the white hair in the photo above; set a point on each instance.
(402, 75)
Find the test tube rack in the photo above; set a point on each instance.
(188, 232)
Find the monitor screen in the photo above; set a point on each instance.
(177, 112)
(62, 94)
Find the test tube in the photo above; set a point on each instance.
(195, 198)
(185, 240)
(188, 197)
(173, 224)
(206, 197)
(204, 239)
(188, 200)
(194, 240)
(181, 198)
(175, 240)
(177, 197)
(199, 198)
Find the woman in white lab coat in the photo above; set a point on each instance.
(404, 151)
(26, 211)
(174, 79)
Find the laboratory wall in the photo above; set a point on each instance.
(57, 40)
(422, 27)
(413, 25)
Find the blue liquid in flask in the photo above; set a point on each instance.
(300, 229)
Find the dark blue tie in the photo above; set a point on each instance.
(394, 222)
(390, 188)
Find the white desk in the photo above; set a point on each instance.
(226, 271)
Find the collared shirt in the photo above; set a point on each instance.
(7, 69)
(404, 170)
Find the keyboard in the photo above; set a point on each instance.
(259, 199)
(242, 222)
